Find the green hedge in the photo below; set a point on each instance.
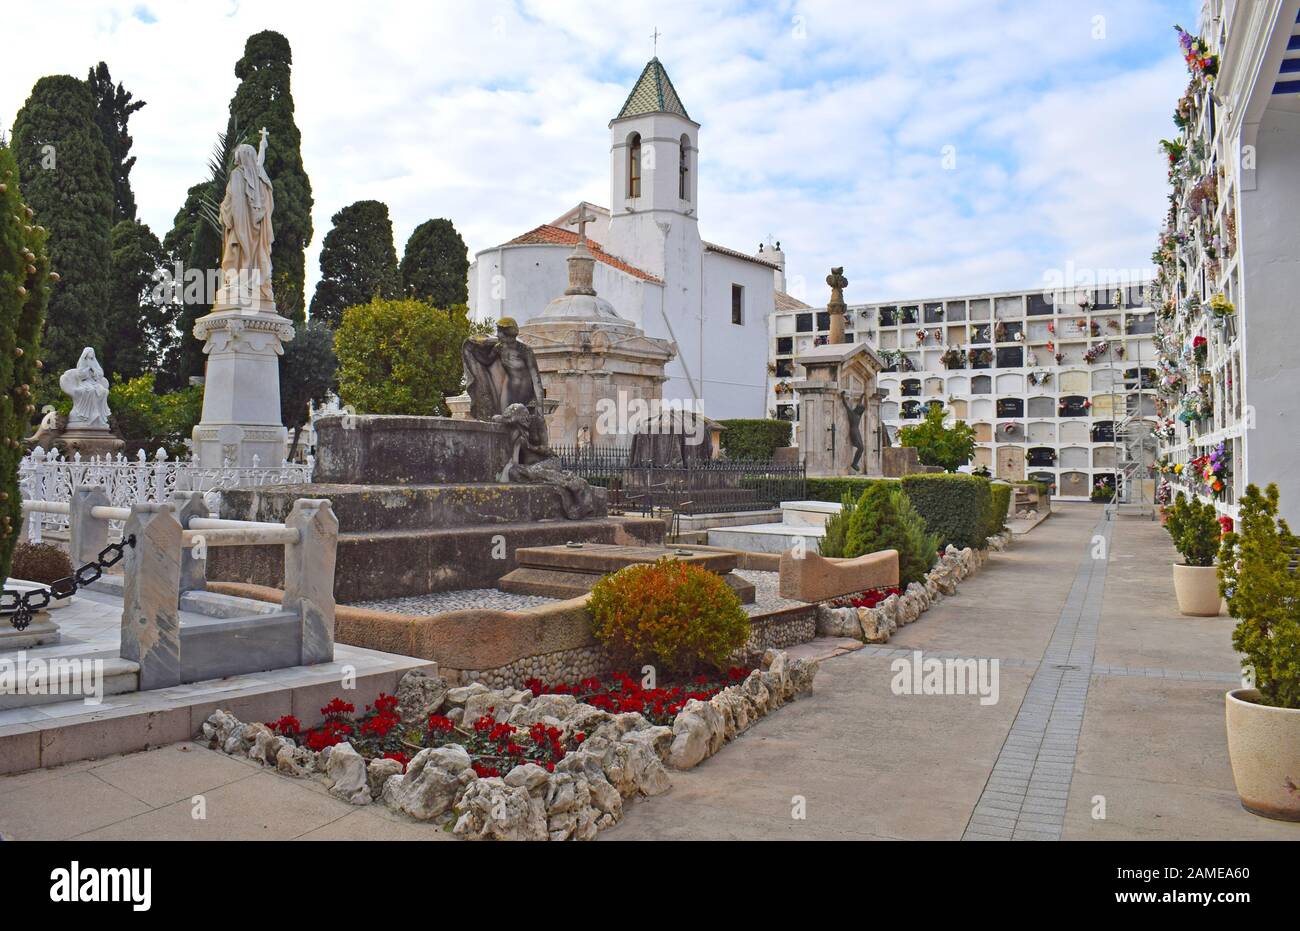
(834, 489)
(754, 439)
(1001, 503)
(956, 507)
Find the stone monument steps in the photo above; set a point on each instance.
(379, 564)
(118, 675)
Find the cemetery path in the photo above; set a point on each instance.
(1107, 696)
(1104, 693)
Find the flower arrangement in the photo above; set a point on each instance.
(1039, 378)
(953, 358)
(1201, 63)
(1200, 350)
(1220, 306)
(1096, 351)
(1213, 470)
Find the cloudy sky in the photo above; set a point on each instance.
(930, 147)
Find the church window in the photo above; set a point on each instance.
(634, 166)
(738, 305)
(683, 166)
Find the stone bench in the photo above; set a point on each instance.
(813, 578)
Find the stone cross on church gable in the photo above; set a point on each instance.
(581, 220)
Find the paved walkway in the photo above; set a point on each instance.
(1107, 698)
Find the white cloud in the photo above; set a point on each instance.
(822, 122)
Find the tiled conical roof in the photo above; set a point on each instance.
(653, 93)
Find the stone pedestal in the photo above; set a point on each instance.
(241, 393)
(600, 370)
(89, 443)
(836, 374)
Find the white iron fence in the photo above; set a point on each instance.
(46, 476)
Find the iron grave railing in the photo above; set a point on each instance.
(706, 486)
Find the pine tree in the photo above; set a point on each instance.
(357, 261)
(139, 329)
(24, 289)
(435, 265)
(263, 100)
(884, 519)
(113, 109)
(64, 169)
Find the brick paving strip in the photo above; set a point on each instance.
(1026, 793)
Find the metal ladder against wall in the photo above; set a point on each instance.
(1134, 443)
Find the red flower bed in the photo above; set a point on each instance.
(621, 693)
(866, 599)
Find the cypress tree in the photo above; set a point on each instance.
(307, 371)
(435, 265)
(63, 166)
(113, 109)
(139, 328)
(263, 99)
(24, 289)
(358, 261)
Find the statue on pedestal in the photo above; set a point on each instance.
(854, 414)
(505, 387)
(247, 232)
(88, 388)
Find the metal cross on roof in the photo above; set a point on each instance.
(654, 36)
(581, 219)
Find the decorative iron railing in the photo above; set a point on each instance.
(46, 476)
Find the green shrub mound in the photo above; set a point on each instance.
(1194, 527)
(834, 489)
(958, 508)
(1000, 504)
(754, 439)
(1263, 593)
(679, 617)
(882, 519)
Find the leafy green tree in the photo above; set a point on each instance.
(24, 291)
(263, 100)
(140, 330)
(400, 356)
(113, 109)
(307, 375)
(357, 261)
(149, 419)
(1263, 593)
(435, 265)
(64, 169)
(950, 448)
(1193, 525)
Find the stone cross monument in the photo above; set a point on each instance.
(243, 337)
(836, 305)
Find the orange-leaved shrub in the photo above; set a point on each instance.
(677, 616)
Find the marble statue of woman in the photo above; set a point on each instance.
(88, 389)
(247, 233)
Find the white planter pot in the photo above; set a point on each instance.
(1197, 588)
(1264, 749)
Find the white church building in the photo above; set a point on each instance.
(712, 302)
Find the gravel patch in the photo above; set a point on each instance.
(461, 600)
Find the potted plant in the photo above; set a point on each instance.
(1194, 528)
(1263, 594)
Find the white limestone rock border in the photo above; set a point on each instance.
(878, 624)
(624, 756)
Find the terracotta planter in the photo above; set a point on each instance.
(1197, 588)
(1264, 749)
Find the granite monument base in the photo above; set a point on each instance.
(572, 570)
(397, 540)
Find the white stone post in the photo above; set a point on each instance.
(189, 505)
(87, 534)
(309, 576)
(151, 629)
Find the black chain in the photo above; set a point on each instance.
(21, 605)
